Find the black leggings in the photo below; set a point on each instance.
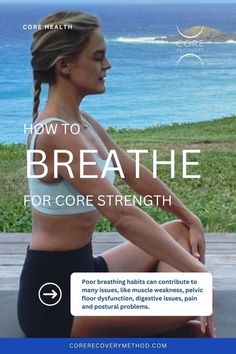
(40, 267)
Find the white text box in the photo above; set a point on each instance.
(141, 294)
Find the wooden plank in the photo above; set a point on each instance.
(229, 270)
(225, 284)
(99, 247)
(14, 238)
(10, 284)
(220, 237)
(113, 237)
(7, 272)
(25, 238)
(20, 248)
(13, 259)
(12, 248)
(214, 259)
(221, 272)
(219, 259)
(221, 248)
(211, 248)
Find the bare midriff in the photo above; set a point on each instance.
(62, 233)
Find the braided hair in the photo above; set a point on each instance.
(50, 45)
(36, 99)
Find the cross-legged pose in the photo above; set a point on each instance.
(72, 61)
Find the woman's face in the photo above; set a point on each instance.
(87, 72)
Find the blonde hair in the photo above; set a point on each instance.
(50, 45)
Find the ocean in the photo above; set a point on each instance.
(151, 82)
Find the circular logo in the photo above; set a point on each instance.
(190, 55)
(190, 37)
(50, 294)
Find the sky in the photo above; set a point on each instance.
(121, 1)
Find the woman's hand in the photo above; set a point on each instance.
(207, 326)
(197, 239)
(207, 322)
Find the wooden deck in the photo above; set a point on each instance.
(220, 256)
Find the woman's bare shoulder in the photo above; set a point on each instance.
(91, 119)
(52, 130)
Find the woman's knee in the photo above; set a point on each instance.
(82, 327)
(179, 231)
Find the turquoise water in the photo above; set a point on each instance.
(145, 86)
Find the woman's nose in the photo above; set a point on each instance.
(107, 65)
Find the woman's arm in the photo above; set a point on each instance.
(130, 221)
(147, 185)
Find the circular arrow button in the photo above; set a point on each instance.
(50, 294)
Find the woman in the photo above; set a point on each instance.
(73, 62)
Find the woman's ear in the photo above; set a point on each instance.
(62, 66)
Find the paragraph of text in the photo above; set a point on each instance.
(141, 294)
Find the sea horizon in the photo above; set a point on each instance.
(151, 82)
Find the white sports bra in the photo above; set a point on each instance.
(56, 193)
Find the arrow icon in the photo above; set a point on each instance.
(53, 294)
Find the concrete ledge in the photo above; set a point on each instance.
(225, 315)
(9, 326)
(220, 259)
